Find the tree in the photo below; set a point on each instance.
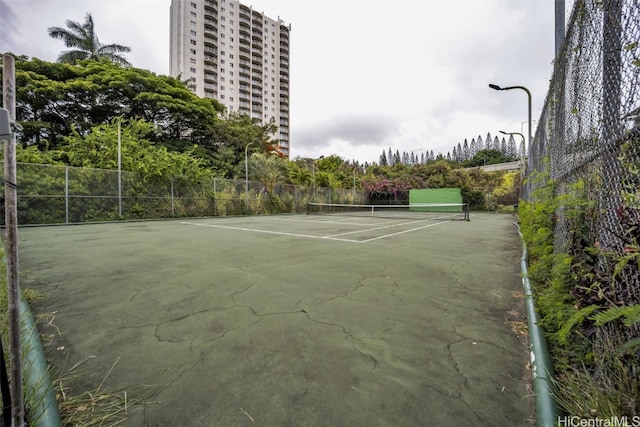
(84, 41)
(267, 169)
(383, 159)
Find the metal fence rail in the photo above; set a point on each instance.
(53, 194)
(588, 143)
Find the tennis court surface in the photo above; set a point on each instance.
(296, 320)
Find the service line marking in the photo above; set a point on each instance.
(309, 236)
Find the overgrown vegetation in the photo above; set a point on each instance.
(586, 296)
(96, 407)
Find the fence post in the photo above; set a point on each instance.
(11, 244)
(172, 206)
(66, 194)
(611, 123)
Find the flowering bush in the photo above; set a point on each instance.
(381, 188)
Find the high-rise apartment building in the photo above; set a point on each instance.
(236, 55)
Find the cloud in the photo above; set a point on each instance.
(356, 130)
(8, 26)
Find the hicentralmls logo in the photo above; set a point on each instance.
(575, 421)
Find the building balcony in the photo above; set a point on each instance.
(244, 33)
(210, 77)
(210, 5)
(210, 24)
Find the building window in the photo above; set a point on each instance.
(193, 42)
(193, 14)
(221, 96)
(193, 5)
(231, 56)
(221, 87)
(222, 61)
(222, 52)
(193, 70)
(231, 99)
(192, 60)
(193, 51)
(222, 70)
(192, 32)
(193, 23)
(231, 73)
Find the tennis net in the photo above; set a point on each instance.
(435, 211)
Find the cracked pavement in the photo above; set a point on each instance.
(219, 327)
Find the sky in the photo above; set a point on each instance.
(366, 75)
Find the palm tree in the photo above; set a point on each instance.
(87, 46)
(267, 169)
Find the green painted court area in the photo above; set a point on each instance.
(296, 320)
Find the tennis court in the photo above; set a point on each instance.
(292, 320)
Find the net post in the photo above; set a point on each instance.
(466, 212)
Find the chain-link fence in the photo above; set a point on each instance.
(52, 194)
(588, 144)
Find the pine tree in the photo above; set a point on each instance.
(383, 159)
(465, 150)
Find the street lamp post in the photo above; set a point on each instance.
(119, 167)
(523, 141)
(496, 87)
(246, 173)
(313, 176)
(123, 110)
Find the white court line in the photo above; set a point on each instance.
(323, 222)
(281, 233)
(404, 231)
(308, 236)
(376, 228)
